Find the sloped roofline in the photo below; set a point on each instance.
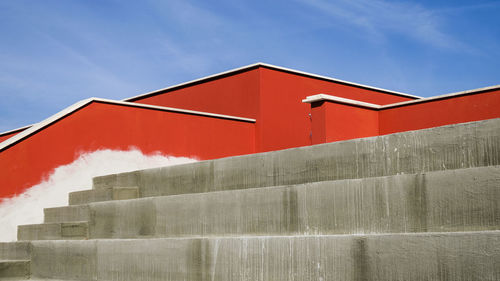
(32, 129)
(270, 66)
(328, 97)
(15, 130)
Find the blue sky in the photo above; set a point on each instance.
(55, 53)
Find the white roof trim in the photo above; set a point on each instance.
(15, 130)
(339, 81)
(326, 97)
(274, 67)
(456, 94)
(39, 126)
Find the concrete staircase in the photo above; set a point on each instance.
(420, 205)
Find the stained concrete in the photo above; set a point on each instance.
(455, 200)
(88, 196)
(411, 206)
(14, 268)
(105, 194)
(72, 260)
(53, 231)
(15, 250)
(66, 214)
(428, 256)
(450, 147)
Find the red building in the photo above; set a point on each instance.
(252, 109)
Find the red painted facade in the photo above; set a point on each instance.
(335, 121)
(109, 126)
(270, 95)
(457, 109)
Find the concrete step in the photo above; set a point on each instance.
(66, 214)
(454, 200)
(457, 146)
(15, 250)
(422, 256)
(14, 268)
(106, 194)
(53, 231)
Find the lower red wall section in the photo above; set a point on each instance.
(459, 109)
(110, 126)
(349, 122)
(334, 121)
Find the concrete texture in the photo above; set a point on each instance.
(66, 214)
(418, 205)
(455, 200)
(450, 147)
(15, 250)
(429, 256)
(14, 268)
(53, 231)
(89, 196)
(107, 194)
(73, 260)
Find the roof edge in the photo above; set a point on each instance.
(317, 76)
(327, 97)
(445, 96)
(16, 130)
(67, 111)
(198, 80)
(261, 64)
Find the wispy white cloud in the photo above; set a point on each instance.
(89, 67)
(378, 18)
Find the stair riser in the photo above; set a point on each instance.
(450, 147)
(456, 200)
(71, 260)
(15, 250)
(66, 214)
(89, 196)
(464, 256)
(53, 231)
(100, 195)
(14, 269)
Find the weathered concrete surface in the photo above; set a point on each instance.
(14, 268)
(73, 260)
(450, 147)
(66, 214)
(15, 250)
(454, 200)
(88, 196)
(53, 231)
(429, 256)
(107, 194)
(435, 191)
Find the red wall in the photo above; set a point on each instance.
(284, 120)
(235, 95)
(349, 122)
(101, 125)
(459, 109)
(333, 121)
(271, 96)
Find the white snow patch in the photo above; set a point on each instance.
(27, 208)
